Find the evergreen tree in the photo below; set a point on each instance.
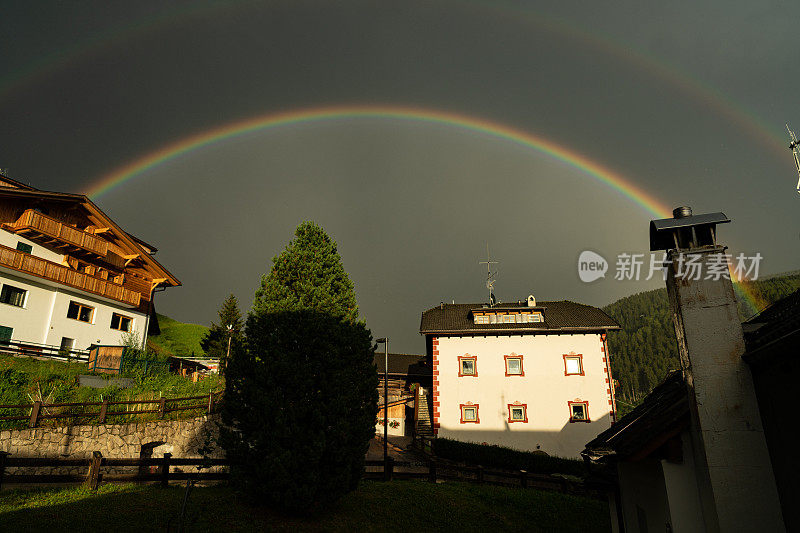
(215, 342)
(308, 274)
(300, 400)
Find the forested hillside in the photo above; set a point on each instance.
(645, 350)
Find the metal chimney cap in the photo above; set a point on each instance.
(661, 231)
(682, 212)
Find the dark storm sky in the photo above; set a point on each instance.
(686, 101)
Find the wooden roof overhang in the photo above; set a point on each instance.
(140, 252)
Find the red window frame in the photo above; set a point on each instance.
(524, 412)
(585, 411)
(474, 359)
(477, 411)
(521, 364)
(580, 358)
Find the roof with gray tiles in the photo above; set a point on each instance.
(562, 315)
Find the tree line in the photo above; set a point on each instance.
(645, 350)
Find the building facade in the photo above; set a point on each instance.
(69, 276)
(526, 376)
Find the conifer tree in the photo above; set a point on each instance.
(215, 342)
(308, 274)
(301, 400)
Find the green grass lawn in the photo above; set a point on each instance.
(375, 506)
(178, 338)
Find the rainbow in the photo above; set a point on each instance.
(700, 91)
(481, 126)
(325, 114)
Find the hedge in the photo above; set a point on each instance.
(506, 458)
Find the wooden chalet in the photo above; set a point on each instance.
(54, 243)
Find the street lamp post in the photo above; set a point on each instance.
(385, 342)
(228, 354)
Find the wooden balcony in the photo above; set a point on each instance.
(42, 268)
(40, 227)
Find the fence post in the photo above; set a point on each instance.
(94, 470)
(165, 470)
(162, 407)
(37, 406)
(388, 469)
(432, 472)
(3, 456)
(103, 411)
(523, 479)
(210, 402)
(480, 474)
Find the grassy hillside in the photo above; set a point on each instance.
(178, 338)
(646, 348)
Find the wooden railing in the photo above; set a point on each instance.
(387, 471)
(44, 350)
(95, 464)
(43, 268)
(46, 225)
(102, 410)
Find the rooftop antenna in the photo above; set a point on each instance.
(795, 148)
(490, 275)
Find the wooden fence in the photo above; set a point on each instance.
(43, 350)
(431, 471)
(97, 462)
(100, 411)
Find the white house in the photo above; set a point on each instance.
(69, 276)
(523, 375)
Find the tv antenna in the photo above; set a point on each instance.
(490, 275)
(794, 146)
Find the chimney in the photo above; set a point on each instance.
(531, 301)
(734, 473)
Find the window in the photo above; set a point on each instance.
(5, 335)
(120, 322)
(573, 364)
(81, 312)
(13, 296)
(509, 319)
(481, 319)
(67, 344)
(469, 413)
(24, 248)
(468, 365)
(537, 317)
(517, 412)
(579, 411)
(514, 365)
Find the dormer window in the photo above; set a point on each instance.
(509, 319)
(481, 319)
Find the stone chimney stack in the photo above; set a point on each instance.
(735, 478)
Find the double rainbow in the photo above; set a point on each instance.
(486, 127)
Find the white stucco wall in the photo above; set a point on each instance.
(43, 320)
(544, 388)
(11, 239)
(644, 498)
(683, 494)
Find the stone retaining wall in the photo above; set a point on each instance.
(181, 438)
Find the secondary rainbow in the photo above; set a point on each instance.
(482, 126)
